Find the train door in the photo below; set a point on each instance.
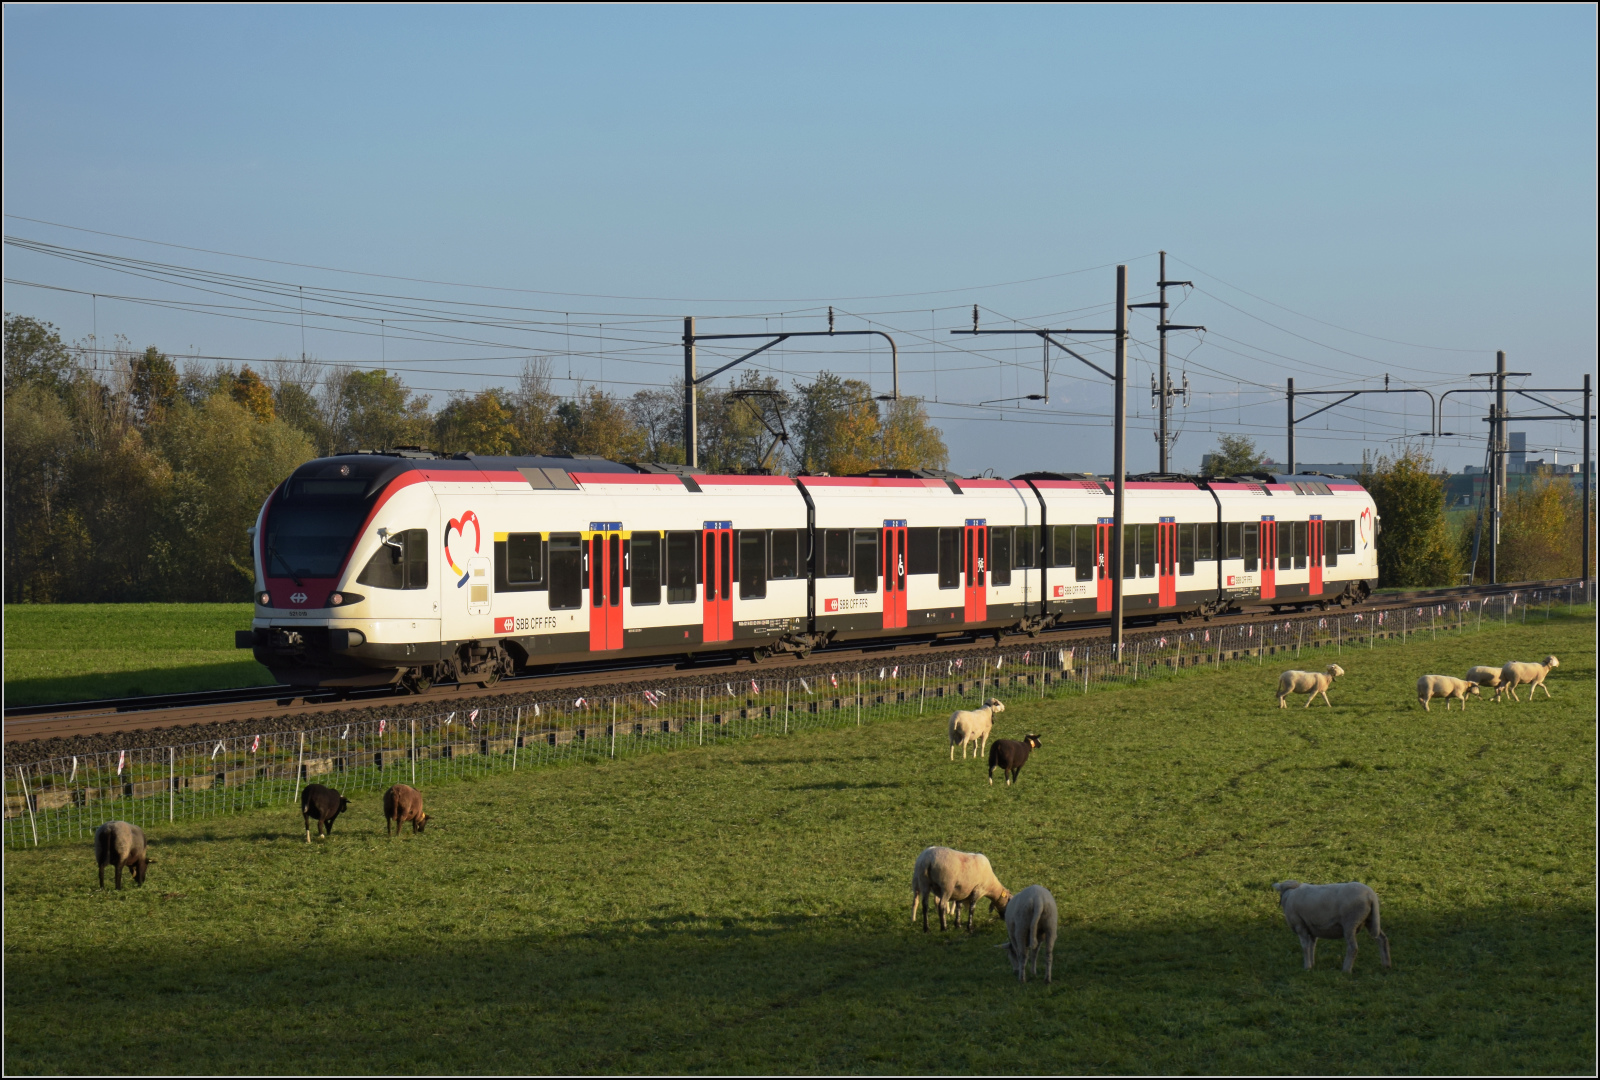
(718, 544)
(1269, 558)
(1102, 564)
(1316, 554)
(977, 558)
(894, 574)
(1167, 562)
(604, 558)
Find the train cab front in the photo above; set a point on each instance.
(342, 598)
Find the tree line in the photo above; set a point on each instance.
(132, 477)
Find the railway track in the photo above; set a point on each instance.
(281, 705)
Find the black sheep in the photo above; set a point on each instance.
(324, 804)
(1010, 755)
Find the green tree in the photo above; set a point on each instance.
(1414, 548)
(837, 429)
(1234, 454)
(481, 424)
(910, 441)
(153, 385)
(658, 414)
(374, 410)
(39, 440)
(296, 402)
(533, 409)
(253, 393)
(598, 423)
(34, 355)
(1539, 532)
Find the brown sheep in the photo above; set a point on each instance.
(403, 803)
(119, 844)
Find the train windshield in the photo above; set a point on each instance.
(311, 526)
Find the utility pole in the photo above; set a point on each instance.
(1497, 491)
(1163, 391)
(691, 421)
(1292, 461)
(1119, 451)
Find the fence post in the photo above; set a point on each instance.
(1301, 641)
(702, 715)
(613, 728)
(413, 753)
(858, 698)
(172, 781)
(786, 706)
(516, 739)
(27, 800)
(299, 765)
(922, 696)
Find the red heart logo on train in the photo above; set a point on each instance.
(458, 526)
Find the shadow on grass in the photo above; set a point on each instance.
(224, 676)
(1471, 991)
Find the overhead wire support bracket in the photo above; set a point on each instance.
(1344, 396)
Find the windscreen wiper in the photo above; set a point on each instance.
(273, 552)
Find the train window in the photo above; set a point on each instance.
(402, 564)
(752, 564)
(950, 558)
(1233, 540)
(1205, 535)
(1130, 550)
(1299, 533)
(683, 561)
(1025, 552)
(785, 554)
(519, 563)
(866, 560)
(1084, 543)
(1147, 551)
(1347, 538)
(566, 571)
(1061, 545)
(1186, 549)
(836, 553)
(1285, 544)
(644, 568)
(1251, 546)
(923, 556)
(1000, 555)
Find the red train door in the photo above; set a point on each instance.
(1167, 562)
(718, 608)
(894, 574)
(1269, 558)
(605, 586)
(1316, 554)
(977, 553)
(1102, 564)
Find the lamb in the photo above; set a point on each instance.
(1514, 675)
(973, 726)
(1302, 682)
(1447, 687)
(1331, 911)
(119, 844)
(403, 803)
(1011, 756)
(1031, 930)
(954, 878)
(325, 805)
(1486, 676)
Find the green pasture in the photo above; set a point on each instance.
(746, 907)
(78, 652)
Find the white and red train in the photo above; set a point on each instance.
(408, 567)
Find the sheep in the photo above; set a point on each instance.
(403, 803)
(1331, 911)
(119, 844)
(954, 878)
(1011, 756)
(1487, 676)
(325, 805)
(1301, 682)
(1447, 687)
(973, 726)
(1031, 930)
(1514, 675)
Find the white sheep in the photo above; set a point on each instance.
(1447, 687)
(1331, 911)
(1514, 675)
(1488, 677)
(953, 878)
(1031, 930)
(973, 726)
(1307, 682)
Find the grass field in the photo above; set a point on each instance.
(76, 652)
(745, 908)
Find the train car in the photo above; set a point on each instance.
(409, 567)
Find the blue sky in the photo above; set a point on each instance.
(1329, 178)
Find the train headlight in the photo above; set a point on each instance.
(264, 599)
(344, 599)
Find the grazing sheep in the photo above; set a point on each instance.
(325, 805)
(119, 844)
(403, 803)
(1011, 756)
(1307, 682)
(953, 878)
(1514, 675)
(1447, 687)
(1331, 911)
(1487, 676)
(1031, 930)
(973, 726)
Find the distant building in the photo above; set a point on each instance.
(1517, 461)
(1331, 470)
